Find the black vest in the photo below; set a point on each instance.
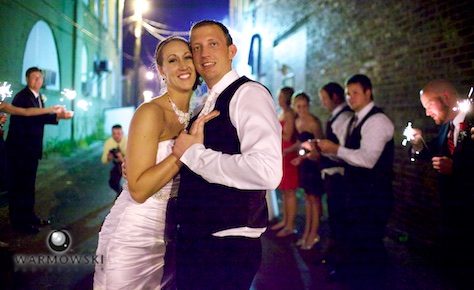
(204, 208)
(325, 161)
(379, 178)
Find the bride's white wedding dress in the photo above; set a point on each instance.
(132, 240)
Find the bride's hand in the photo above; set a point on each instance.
(124, 168)
(198, 126)
(195, 134)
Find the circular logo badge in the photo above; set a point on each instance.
(59, 241)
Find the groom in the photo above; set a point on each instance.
(221, 206)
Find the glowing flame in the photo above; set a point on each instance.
(465, 105)
(70, 94)
(84, 105)
(5, 91)
(408, 133)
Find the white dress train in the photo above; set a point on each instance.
(132, 240)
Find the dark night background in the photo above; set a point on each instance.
(178, 15)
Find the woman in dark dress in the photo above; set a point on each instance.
(308, 126)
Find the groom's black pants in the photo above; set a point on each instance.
(217, 263)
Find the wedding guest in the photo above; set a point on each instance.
(13, 110)
(367, 148)
(24, 146)
(289, 182)
(114, 151)
(333, 99)
(308, 127)
(10, 109)
(221, 206)
(452, 157)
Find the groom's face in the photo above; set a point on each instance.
(211, 55)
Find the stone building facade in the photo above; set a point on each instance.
(400, 45)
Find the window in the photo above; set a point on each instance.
(40, 51)
(105, 13)
(85, 85)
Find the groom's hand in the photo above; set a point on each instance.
(194, 136)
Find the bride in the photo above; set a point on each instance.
(132, 240)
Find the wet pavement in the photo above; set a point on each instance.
(73, 192)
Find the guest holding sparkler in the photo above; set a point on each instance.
(367, 148)
(452, 157)
(308, 126)
(24, 146)
(333, 99)
(13, 110)
(10, 109)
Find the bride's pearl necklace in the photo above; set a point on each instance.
(183, 117)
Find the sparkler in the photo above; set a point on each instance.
(84, 105)
(5, 91)
(409, 134)
(465, 105)
(70, 94)
(303, 151)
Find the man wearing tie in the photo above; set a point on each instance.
(333, 99)
(367, 148)
(24, 149)
(452, 157)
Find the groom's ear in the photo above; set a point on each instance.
(232, 51)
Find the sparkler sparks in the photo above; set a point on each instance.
(408, 133)
(70, 94)
(84, 105)
(5, 91)
(465, 105)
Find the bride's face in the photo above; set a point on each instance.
(178, 68)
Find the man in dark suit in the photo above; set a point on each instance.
(452, 156)
(24, 149)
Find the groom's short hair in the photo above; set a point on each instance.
(224, 29)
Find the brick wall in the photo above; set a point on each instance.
(400, 45)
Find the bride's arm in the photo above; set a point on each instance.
(143, 175)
